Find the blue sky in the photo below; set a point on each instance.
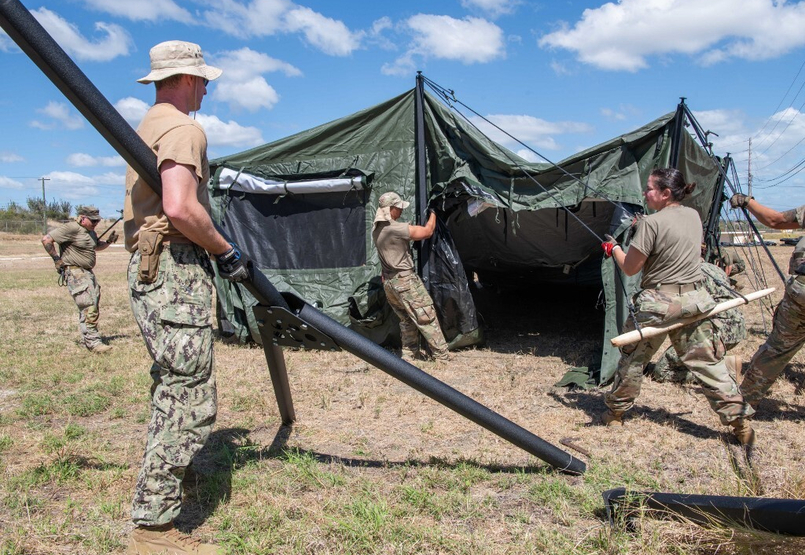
(560, 76)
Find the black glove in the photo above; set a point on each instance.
(112, 237)
(232, 264)
(740, 200)
(59, 266)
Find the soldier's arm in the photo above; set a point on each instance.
(181, 205)
(420, 232)
(50, 247)
(772, 218)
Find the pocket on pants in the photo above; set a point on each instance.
(424, 314)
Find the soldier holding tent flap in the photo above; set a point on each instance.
(666, 247)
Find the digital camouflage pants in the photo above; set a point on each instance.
(86, 293)
(697, 344)
(786, 338)
(411, 302)
(175, 316)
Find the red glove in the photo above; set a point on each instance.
(608, 245)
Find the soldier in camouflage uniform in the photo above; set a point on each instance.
(730, 328)
(666, 247)
(170, 287)
(74, 262)
(404, 290)
(788, 330)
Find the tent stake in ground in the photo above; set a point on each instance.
(32, 38)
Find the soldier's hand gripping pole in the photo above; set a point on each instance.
(62, 71)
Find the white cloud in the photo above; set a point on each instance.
(534, 132)
(6, 44)
(621, 113)
(8, 183)
(115, 41)
(132, 109)
(229, 133)
(10, 157)
(82, 160)
(242, 84)
(328, 35)
(142, 10)
(469, 40)
(493, 8)
(60, 117)
(262, 18)
(622, 36)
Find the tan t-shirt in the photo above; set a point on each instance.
(392, 240)
(671, 239)
(76, 243)
(172, 135)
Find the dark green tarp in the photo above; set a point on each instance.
(507, 216)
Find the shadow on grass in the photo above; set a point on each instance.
(592, 403)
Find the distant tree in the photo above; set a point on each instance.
(56, 209)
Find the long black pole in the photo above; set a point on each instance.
(37, 43)
(676, 139)
(421, 169)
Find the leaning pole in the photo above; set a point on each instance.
(32, 38)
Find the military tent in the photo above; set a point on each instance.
(303, 207)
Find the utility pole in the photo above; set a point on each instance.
(44, 207)
(749, 170)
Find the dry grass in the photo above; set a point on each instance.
(371, 466)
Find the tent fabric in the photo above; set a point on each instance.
(508, 219)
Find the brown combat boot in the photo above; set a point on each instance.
(743, 432)
(609, 418)
(167, 540)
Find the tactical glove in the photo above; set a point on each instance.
(608, 245)
(232, 264)
(740, 200)
(112, 237)
(59, 263)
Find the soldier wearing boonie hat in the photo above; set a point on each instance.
(404, 290)
(74, 262)
(170, 275)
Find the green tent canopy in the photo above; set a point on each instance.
(303, 208)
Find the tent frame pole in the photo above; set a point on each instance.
(421, 168)
(32, 38)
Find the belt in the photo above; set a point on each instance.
(404, 273)
(74, 267)
(177, 240)
(677, 288)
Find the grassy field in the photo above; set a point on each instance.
(371, 466)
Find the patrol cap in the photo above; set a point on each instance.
(392, 199)
(90, 212)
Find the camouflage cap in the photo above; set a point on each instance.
(90, 212)
(392, 199)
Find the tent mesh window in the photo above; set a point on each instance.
(285, 232)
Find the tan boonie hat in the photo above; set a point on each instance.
(392, 199)
(90, 212)
(175, 57)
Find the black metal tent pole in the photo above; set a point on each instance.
(781, 516)
(711, 235)
(723, 170)
(676, 137)
(59, 68)
(421, 169)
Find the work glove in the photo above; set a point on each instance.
(608, 245)
(59, 263)
(112, 237)
(232, 264)
(740, 200)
